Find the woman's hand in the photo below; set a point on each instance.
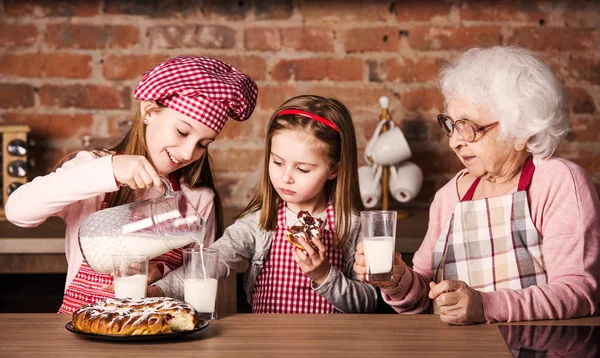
(154, 291)
(360, 267)
(459, 304)
(314, 264)
(135, 171)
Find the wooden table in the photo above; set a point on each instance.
(253, 335)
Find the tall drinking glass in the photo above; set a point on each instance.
(200, 280)
(378, 230)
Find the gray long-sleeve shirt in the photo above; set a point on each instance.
(245, 247)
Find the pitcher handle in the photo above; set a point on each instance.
(167, 184)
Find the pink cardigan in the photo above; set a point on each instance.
(566, 212)
(75, 191)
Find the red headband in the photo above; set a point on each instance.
(312, 116)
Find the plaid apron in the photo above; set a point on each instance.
(281, 286)
(491, 243)
(87, 286)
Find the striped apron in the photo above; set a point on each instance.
(491, 243)
(87, 286)
(281, 286)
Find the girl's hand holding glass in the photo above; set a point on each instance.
(360, 267)
(314, 264)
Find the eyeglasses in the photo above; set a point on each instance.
(467, 129)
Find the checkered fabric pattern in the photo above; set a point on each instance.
(87, 286)
(203, 88)
(491, 244)
(281, 286)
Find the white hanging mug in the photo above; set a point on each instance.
(369, 147)
(405, 181)
(390, 147)
(369, 182)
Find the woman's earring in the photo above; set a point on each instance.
(146, 120)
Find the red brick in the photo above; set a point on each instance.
(406, 70)
(300, 70)
(349, 69)
(46, 65)
(129, 67)
(227, 10)
(371, 39)
(44, 8)
(154, 9)
(271, 97)
(117, 126)
(253, 66)
(585, 69)
(54, 126)
(585, 158)
(91, 36)
(553, 38)
(507, 10)
(27, 35)
(237, 159)
(16, 95)
(422, 99)
(421, 10)
(585, 129)
(579, 13)
(307, 39)
(200, 36)
(354, 97)
(453, 38)
(580, 101)
(273, 10)
(345, 11)
(88, 97)
(262, 39)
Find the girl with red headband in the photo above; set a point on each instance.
(184, 103)
(310, 171)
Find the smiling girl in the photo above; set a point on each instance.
(184, 103)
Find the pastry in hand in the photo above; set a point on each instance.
(307, 227)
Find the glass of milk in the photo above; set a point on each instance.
(200, 280)
(378, 231)
(130, 273)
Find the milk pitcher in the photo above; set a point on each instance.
(152, 226)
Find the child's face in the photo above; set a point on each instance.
(175, 140)
(298, 171)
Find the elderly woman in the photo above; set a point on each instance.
(515, 236)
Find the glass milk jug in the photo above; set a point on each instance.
(151, 226)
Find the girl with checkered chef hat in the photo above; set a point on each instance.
(309, 181)
(183, 105)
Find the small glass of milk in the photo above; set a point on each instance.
(130, 273)
(200, 280)
(378, 229)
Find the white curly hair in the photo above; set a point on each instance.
(515, 86)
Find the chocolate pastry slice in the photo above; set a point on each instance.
(307, 227)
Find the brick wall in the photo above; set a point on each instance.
(68, 68)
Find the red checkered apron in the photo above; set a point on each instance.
(281, 286)
(87, 284)
(492, 243)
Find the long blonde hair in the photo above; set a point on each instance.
(340, 150)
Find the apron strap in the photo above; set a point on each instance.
(526, 174)
(524, 180)
(469, 195)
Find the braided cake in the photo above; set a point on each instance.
(307, 227)
(126, 316)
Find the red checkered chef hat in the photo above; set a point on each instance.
(205, 89)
